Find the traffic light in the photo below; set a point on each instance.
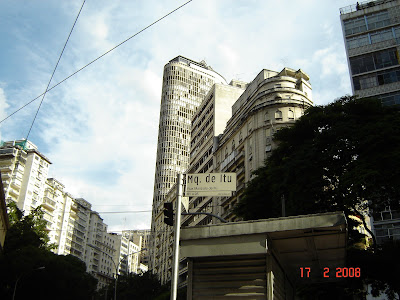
(168, 214)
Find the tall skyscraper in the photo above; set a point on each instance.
(371, 32)
(185, 84)
(372, 37)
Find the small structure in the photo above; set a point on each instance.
(263, 259)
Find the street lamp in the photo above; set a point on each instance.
(20, 276)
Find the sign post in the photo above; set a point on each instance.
(175, 267)
(202, 184)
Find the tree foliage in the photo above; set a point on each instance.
(26, 230)
(28, 267)
(341, 156)
(144, 286)
(344, 156)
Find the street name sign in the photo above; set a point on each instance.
(210, 184)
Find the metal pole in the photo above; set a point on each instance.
(15, 286)
(175, 268)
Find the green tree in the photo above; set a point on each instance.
(144, 286)
(29, 269)
(26, 230)
(344, 156)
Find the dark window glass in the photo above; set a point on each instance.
(361, 64)
(385, 58)
(389, 76)
(373, 61)
(378, 20)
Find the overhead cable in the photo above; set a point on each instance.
(55, 68)
(57, 84)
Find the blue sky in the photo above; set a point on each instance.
(99, 128)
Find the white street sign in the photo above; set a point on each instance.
(210, 184)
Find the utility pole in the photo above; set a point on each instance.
(175, 267)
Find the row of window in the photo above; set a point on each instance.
(376, 79)
(390, 99)
(367, 22)
(374, 61)
(373, 37)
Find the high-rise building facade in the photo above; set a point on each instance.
(208, 123)
(135, 236)
(232, 132)
(185, 84)
(73, 227)
(60, 212)
(24, 172)
(127, 254)
(371, 33)
(273, 100)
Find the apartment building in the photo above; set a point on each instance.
(232, 132)
(271, 101)
(185, 84)
(60, 212)
(208, 122)
(24, 172)
(371, 32)
(140, 235)
(100, 251)
(127, 254)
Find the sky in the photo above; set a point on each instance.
(99, 128)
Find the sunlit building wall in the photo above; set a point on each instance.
(273, 100)
(135, 236)
(24, 172)
(126, 257)
(185, 84)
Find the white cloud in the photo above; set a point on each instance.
(100, 127)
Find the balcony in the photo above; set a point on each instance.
(13, 192)
(225, 200)
(48, 203)
(5, 169)
(74, 207)
(8, 152)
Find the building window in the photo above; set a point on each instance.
(373, 61)
(266, 117)
(291, 114)
(278, 115)
(357, 41)
(390, 98)
(381, 36)
(378, 20)
(365, 82)
(354, 26)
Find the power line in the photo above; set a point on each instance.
(65, 79)
(123, 212)
(55, 68)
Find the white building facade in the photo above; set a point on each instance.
(185, 84)
(271, 101)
